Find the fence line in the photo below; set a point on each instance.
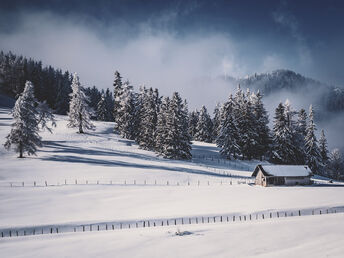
(69, 182)
(58, 229)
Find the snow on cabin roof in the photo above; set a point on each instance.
(283, 170)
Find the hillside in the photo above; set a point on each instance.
(103, 180)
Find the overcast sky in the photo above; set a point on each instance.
(178, 45)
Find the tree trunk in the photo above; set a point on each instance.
(80, 123)
(20, 151)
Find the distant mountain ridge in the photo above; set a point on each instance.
(329, 98)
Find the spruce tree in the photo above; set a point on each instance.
(24, 133)
(126, 113)
(216, 121)
(193, 120)
(283, 149)
(102, 109)
(79, 111)
(118, 90)
(228, 132)
(261, 125)
(312, 150)
(300, 137)
(148, 120)
(162, 130)
(204, 128)
(323, 147)
(178, 140)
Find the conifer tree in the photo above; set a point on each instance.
(261, 125)
(178, 140)
(24, 133)
(283, 149)
(148, 120)
(312, 150)
(193, 120)
(323, 147)
(300, 137)
(162, 130)
(102, 109)
(118, 90)
(216, 121)
(204, 128)
(79, 111)
(228, 133)
(126, 113)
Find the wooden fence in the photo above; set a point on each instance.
(120, 225)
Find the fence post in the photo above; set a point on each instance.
(106, 227)
(196, 220)
(202, 220)
(320, 212)
(57, 230)
(76, 181)
(285, 215)
(98, 227)
(83, 228)
(234, 218)
(221, 218)
(263, 216)
(312, 212)
(119, 226)
(182, 221)
(270, 215)
(327, 211)
(51, 230)
(144, 224)
(208, 219)
(277, 215)
(34, 232)
(10, 233)
(136, 225)
(34, 183)
(65, 181)
(74, 229)
(97, 182)
(227, 218)
(2, 234)
(189, 220)
(11, 184)
(46, 183)
(90, 227)
(299, 212)
(175, 222)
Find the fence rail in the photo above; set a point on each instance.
(119, 225)
(69, 182)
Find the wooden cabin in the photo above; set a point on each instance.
(270, 175)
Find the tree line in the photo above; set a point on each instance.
(239, 126)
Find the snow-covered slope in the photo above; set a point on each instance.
(99, 177)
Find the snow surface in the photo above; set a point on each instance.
(287, 170)
(199, 187)
(311, 236)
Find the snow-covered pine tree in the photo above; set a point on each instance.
(178, 140)
(161, 132)
(300, 137)
(296, 141)
(118, 90)
(261, 125)
(245, 122)
(323, 147)
(148, 120)
(336, 164)
(126, 113)
(24, 133)
(312, 150)
(193, 119)
(204, 128)
(228, 133)
(102, 109)
(283, 149)
(79, 111)
(216, 121)
(109, 105)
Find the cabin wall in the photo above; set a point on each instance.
(260, 179)
(297, 181)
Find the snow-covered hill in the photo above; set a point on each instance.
(98, 177)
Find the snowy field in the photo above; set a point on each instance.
(312, 236)
(125, 183)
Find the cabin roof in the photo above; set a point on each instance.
(283, 170)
